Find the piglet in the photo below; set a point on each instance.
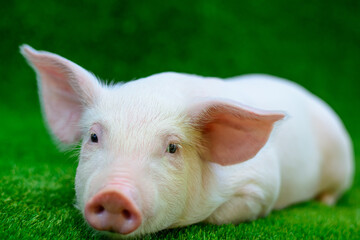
(175, 149)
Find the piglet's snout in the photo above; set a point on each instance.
(113, 210)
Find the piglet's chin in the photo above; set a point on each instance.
(114, 209)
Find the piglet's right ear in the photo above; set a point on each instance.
(65, 89)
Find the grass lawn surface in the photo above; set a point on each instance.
(314, 43)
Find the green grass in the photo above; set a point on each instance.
(316, 44)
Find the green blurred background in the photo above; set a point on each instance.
(314, 43)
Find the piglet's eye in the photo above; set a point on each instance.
(94, 138)
(172, 148)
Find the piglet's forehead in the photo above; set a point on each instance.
(136, 126)
(134, 110)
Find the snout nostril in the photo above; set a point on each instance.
(99, 209)
(126, 214)
(113, 210)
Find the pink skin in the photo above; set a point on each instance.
(181, 189)
(233, 133)
(113, 209)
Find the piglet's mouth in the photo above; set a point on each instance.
(113, 209)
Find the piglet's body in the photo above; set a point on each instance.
(175, 149)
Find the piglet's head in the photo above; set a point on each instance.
(146, 151)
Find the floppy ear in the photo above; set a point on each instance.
(65, 89)
(230, 132)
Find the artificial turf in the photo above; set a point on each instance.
(316, 44)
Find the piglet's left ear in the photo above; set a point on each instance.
(230, 132)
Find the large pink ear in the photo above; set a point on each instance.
(231, 132)
(65, 89)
